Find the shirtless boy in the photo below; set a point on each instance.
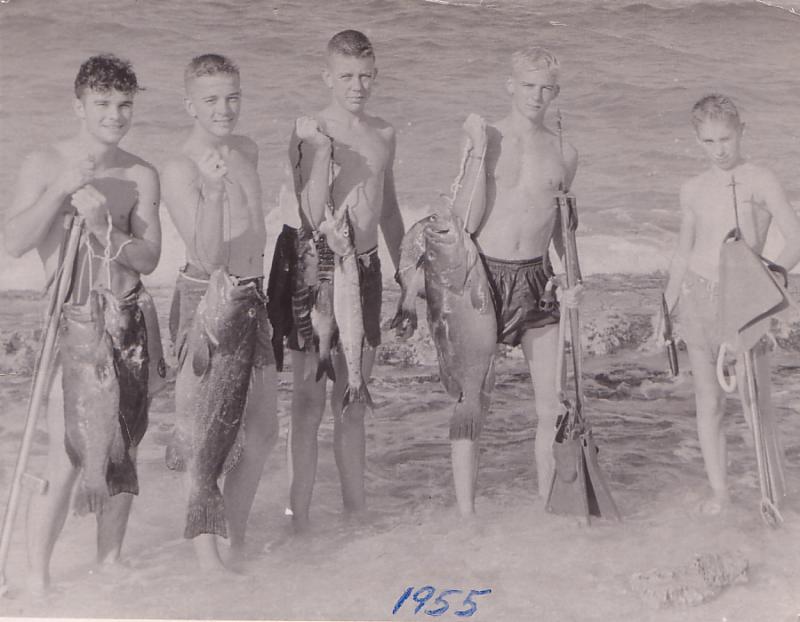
(707, 216)
(507, 201)
(213, 195)
(363, 157)
(91, 175)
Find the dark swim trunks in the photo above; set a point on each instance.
(371, 285)
(279, 290)
(517, 287)
(190, 286)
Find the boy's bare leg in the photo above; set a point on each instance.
(112, 523)
(349, 443)
(710, 404)
(260, 433)
(308, 405)
(540, 347)
(47, 512)
(464, 459)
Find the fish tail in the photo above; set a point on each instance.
(466, 421)
(205, 512)
(404, 322)
(325, 367)
(122, 476)
(356, 395)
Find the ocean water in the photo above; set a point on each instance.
(630, 73)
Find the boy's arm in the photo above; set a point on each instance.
(787, 220)
(140, 248)
(391, 222)
(195, 203)
(680, 259)
(570, 169)
(469, 202)
(310, 157)
(39, 197)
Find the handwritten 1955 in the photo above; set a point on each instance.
(440, 605)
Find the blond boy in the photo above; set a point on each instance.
(213, 194)
(514, 170)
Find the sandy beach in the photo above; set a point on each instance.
(630, 73)
(539, 566)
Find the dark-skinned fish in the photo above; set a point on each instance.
(220, 355)
(437, 255)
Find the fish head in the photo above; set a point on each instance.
(338, 230)
(446, 254)
(229, 309)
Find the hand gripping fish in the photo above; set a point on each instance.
(93, 436)
(347, 308)
(438, 253)
(214, 379)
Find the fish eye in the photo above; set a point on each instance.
(251, 312)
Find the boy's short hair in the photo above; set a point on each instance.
(535, 57)
(351, 43)
(209, 65)
(106, 72)
(715, 106)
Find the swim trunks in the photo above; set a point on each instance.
(371, 286)
(517, 287)
(279, 290)
(697, 314)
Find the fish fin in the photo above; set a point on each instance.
(325, 367)
(466, 421)
(121, 476)
(404, 323)
(359, 395)
(201, 357)
(205, 512)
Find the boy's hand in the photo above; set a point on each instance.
(309, 131)
(75, 175)
(212, 167)
(475, 129)
(569, 297)
(91, 205)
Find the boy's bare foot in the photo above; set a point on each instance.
(716, 505)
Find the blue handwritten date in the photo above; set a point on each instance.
(440, 604)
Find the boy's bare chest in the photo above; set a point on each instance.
(362, 150)
(527, 167)
(121, 195)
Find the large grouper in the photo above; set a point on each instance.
(437, 254)
(105, 396)
(211, 391)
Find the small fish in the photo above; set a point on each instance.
(438, 255)
(323, 321)
(211, 391)
(93, 437)
(347, 309)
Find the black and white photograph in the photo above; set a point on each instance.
(377, 310)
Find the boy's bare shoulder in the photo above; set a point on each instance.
(179, 166)
(137, 166)
(381, 126)
(246, 145)
(692, 186)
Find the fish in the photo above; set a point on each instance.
(303, 286)
(440, 257)
(211, 392)
(323, 321)
(347, 309)
(93, 436)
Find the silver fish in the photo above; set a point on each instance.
(347, 308)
